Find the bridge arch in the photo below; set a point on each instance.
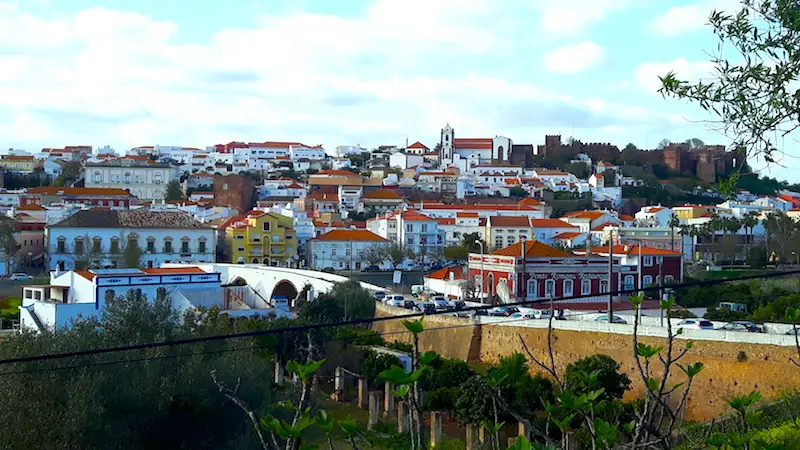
(285, 288)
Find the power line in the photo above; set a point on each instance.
(305, 328)
(229, 350)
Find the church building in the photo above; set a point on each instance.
(474, 150)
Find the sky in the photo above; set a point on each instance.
(351, 72)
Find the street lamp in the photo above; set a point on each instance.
(797, 258)
(479, 242)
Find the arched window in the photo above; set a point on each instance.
(168, 245)
(61, 245)
(648, 280)
(114, 245)
(669, 279)
(603, 286)
(265, 261)
(550, 288)
(79, 246)
(568, 288)
(629, 281)
(185, 245)
(532, 289)
(255, 260)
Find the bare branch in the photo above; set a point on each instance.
(231, 394)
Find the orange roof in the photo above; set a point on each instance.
(274, 144)
(418, 144)
(324, 197)
(382, 194)
(467, 215)
(59, 190)
(482, 207)
(567, 235)
(473, 143)
(551, 172)
(593, 215)
(630, 250)
(446, 221)
(294, 186)
(626, 218)
(31, 208)
(333, 223)
(17, 158)
(512, 181)
(444, 274)
(529, 202)
(509, 221)
(533, 249)
(345, 173)
(550, 223)
(350, 235)
(413, 215)
(654, 209)
(602, 226)
(598, 175)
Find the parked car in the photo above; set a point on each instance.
(503, 311)
(742, 325)
(793, 331)
(395, 300)
(371, 269)
(481, 312)
(379, 295)
(455, 305)
(696, 324)
(329, 270)
(439, 301)
(20, 277)
(542, 313)
(426, 307)
(521, 315)
(615, 319)
(409, 304)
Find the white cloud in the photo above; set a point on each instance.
(109, 77)
(647, 74)
(571, 17)
(573, 58)
(683, 19)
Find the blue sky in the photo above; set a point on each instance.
(368, 72)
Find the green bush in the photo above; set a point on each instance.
(725, 315)
(787, 435)
(400, 346)
(375, 363)
(609, 377)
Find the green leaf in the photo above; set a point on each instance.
(521, 443)
(414, 326)
(401, 391)
(647, 351)
(427, 357)
(396, 375)
(692, 370)
(667, 304)
(792, 314)
(349, 426)
(636, 300)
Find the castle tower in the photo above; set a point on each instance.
(446, 143)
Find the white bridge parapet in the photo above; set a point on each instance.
(268, 282)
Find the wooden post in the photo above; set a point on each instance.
(374, 409)
(522, 430)
(436, 428)
(362, 392)
(402, 417)
(388, 399)
(278, 373)
(472, 437)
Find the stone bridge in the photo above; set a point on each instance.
(269, 282)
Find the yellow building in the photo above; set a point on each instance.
(261, 238)
(18, 163)
(694, 211)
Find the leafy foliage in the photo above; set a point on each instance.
(608, 376)
(173, 191)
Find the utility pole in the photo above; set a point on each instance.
(610, 272)
(522, 280)
(351, 258)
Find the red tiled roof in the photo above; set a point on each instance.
(345, 173)
(550, 223)
(631, 250)
(467, 215)
(350, 235)
(567, 235)
(173, 270)
(324, 197)
(529, 202)
(626, 218)
(31, 208)
(382, 194)
(418, 144)
(593, 215)
(446, 221)
(444, 274)
(17, 158)
(473, 143)
(60, 190)
(509, 221)
(533, 249)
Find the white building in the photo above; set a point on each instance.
(144, 179)
(654, 216)
(98, 238)
(409, 229)
(78, 295)
(483, 149)
(344, 150)
(345, 249)
(297, 152)
(405, 160)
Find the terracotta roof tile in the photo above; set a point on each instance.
(382, 194)
(567, 235)
(509, 221)
(550, 223)
(444, 274)
(138, 218)
(533, 249)
(350, 235)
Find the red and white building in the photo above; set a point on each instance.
(545, 272)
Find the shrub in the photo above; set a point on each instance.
(375, 363)
(786, 435)
(609, 377)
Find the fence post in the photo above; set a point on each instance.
(362, 392)
(402, 417)
(278, 373)
(388, 399)
(374, 409)
(436, 428)
(472, 437)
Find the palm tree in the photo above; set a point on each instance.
(674, 222)
(711, 227)
(749, 222)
